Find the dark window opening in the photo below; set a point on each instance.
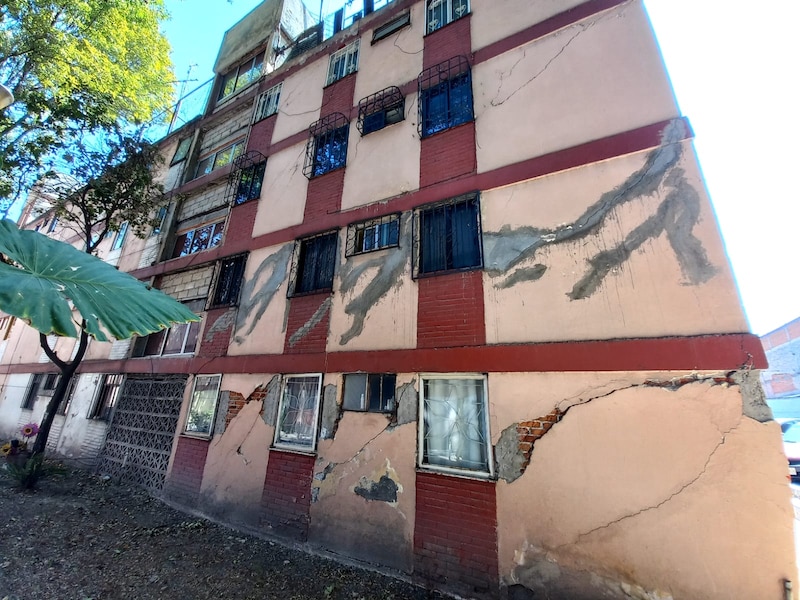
(391, 27)
(383, 108)
(448, 236)
(316, 260)
(106, 397)
(372, 392)
(32, 392)
(229, 281)
(241, 76)
(445, 96)
(63, 406)
(327, 145)
(182, 151)
(246, 178)
(374, 234)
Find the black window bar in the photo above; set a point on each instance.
(445, 96)
(246, 177)
(326, 149)
(314, 264)
(307, 40)
(380, 109)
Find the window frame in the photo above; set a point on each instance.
(331, 131)
(32, 391)
(365, 403)
(181, 150)
(237, 264)
(216, 233)
(195, 399)
(300, 260)
(161, 217)
(450, 17)
(392, 26)
(106, 397)
(160, 338)
(267, 103)
(419, 240)
(279, 441)
(343, 62)
(389, 105)
(356, 236)
(442, 81)
(422, 460)
(254, 63)
(255, 180)
(119, 237)
(63, 406)
(236, 148)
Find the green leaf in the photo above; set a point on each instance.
(52, 277)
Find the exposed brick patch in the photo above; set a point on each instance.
(451, 40)
(261, 135)
(338, 96)
(301, 311)
(455, 534)
(287, 493)
(187, 469)
(447, 155)
(236, 402)
(450, 310)
(530, 431)
(216, 339)
(324, 196)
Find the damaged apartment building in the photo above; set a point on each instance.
(466, 312)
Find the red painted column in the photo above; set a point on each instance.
(287, 493)
(187, 469)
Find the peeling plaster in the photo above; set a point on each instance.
(382, 486)
(390, 265)
(676, 215)
(407, 403)
(221, 324)
(331, 413)
(222, 412)
(754, 402)
(270, 411)
(256, 299)
(315, 319)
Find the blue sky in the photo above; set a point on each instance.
(734, 70)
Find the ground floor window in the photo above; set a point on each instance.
(203, 408)
(454, 424)
(298, 412)
(106, 397)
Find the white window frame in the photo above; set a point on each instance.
(343, 62)
(215, 381)
(284, 442)
(421, 458)
(119, 239)
(445, 12)
(267, 103)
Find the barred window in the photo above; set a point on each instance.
(445, 96)
(326, 149)
(267, 104)
(383, 108)
(298, 414)
(374, 234)
(343, 62)
(203, 407)
(32, 392)
(442, 12)
(447, 236)
(229, 281)
(314, 265)
(106, 397)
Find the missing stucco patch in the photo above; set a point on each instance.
(383, 490)
(515, 446)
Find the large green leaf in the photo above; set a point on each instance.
(52, 274)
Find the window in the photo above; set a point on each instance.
(182, 151)
(267, 104)
(454, 424)
(229, 281)
(181, 338)
(315, 262)
(198, 239)
(374, 234)
(391, 27)
(298, 412)
(160, 218)
(249, 182)
(445, 96)
(119, 239)
(63, 406)
(326, 149)
(383, 108)
(107, 396)
(343, 62)
(5, 327)
(442, 12)
(372, 392)
(49, 383)
(448, 236)
(53, 224)
(203, 407)
(32, 392)
(241, 76)
(218, 159)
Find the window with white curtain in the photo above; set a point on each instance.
(299, 411)
(454, 424)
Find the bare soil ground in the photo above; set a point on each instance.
(79, 537)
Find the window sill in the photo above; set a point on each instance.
(434, 134)
(313, 177)
(328, 291)
(427, 33)
(197, 436)
(447, 272)
(293, 450)
(457, 473)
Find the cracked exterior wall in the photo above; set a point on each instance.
(637, 459)
(377, 301)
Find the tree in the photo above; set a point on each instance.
(75, 66)
(60, 290)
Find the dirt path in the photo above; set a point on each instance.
(81, 538)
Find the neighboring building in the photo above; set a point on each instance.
(781, 380)
(466, 312)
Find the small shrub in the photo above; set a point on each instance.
(27, 474)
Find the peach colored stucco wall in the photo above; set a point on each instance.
(491, 25)
(551, 96)
(260, 324)
(647, 295)
(390, 322)
(283, 193)
(671, 490)
(301, 97)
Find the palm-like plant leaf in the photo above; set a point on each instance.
(47, 278)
